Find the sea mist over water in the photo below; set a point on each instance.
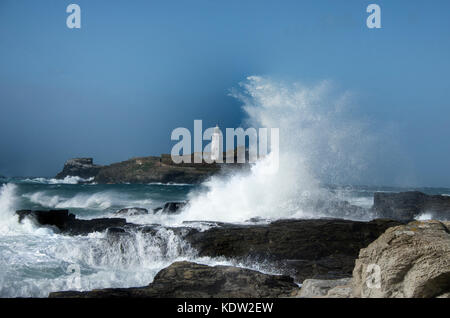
(319, 144)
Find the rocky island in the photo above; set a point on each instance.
(144, 170)
(79, 167)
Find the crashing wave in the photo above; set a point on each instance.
(319, 144)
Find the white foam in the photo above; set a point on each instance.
(9, 224)
(66, 180)
(171, 184)
(36, 265)
(98, 200)
(425, 216)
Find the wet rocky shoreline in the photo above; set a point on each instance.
(329, 257)
(413, 261)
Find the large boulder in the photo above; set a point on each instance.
(410, 205)
(79, 167)
(322, 248)
(410, 260)
(191, 280)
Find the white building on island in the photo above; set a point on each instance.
(216, 149)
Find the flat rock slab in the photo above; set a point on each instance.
(191, 280)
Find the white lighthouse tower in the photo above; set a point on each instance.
(215, 144)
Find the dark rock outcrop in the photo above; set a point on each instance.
(80, 167)
(67, 223)
(173, 207)
(132, 211)
(323, 248)
(189, 280)
(409, 205)
(57, 218)
(170, 208)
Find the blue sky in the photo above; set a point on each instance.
(137, 69)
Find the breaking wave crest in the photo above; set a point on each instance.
(8, 219)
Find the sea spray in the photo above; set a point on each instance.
(104, 261)
(9, 224)
(319, 144)
(42, 261)
(7, 203)
(35, 260)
